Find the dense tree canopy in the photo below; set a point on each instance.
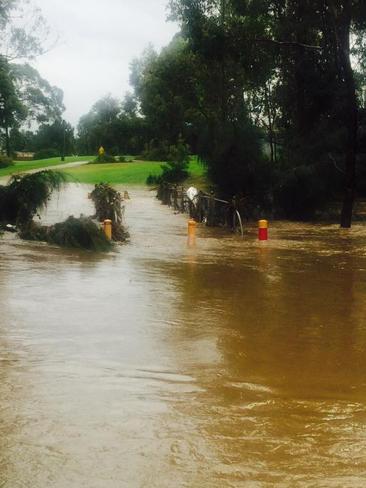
(291, 63)
(270, 95)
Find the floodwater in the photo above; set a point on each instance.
(231, 364)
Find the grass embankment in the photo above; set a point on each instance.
(134, 173)
(22, 166)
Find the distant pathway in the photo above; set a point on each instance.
(74, 164)
(58, 166)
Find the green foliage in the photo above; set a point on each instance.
(104, 159)
(43, 102)
(107, 202)
(77, 233)
(176, 170)
(153, 179)
(263, 92)
(99, 126)
(26, 195)
(108, 205)
(24, 95)
(300, 192)
(33, 231)
(155, 151)
(235, 160)
(57, 136)
(46, 154)
(24, 31)
(81, 233)
(5, 162)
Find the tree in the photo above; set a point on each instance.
(291, 61)
(12, 111)
(25, 97)
(57, 136)
(99, 127)
(24, 33)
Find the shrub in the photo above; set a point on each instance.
(155, 151)
(81, 233)
(33, 231)
(301, 191)
(5, 162)
(25, 195)
(153, 180)
(46, 154)
(108, 205)
(103, 159)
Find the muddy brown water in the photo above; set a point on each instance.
(226, 365)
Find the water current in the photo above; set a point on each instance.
(231, 364)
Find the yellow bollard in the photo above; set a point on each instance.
(107, 227)
(192, 228)
(192, 232)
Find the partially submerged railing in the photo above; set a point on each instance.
(204, 207)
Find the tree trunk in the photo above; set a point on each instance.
(342, 24)
(7, 141)
(267, 95)
(351, 120)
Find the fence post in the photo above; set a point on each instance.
(175, 197)
(234, 204)
(182, 200)
(211, 210)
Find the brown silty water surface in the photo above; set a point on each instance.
(231, 364)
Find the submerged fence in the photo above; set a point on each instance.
(204, 207)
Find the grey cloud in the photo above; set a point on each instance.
(97, 41)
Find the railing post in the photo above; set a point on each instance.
(182, 209)
(211, 210)
(175, 197)
(234, 204)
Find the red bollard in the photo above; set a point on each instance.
(263, 230)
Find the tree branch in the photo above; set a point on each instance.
(289, 44)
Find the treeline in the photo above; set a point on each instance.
(269, 94)
(27, 99)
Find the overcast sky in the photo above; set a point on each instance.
(97, 41)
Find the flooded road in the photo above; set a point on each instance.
(229, 365)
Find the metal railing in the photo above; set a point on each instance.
(204, 208)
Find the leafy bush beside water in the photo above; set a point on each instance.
(26, 195)
(176, 169)
(79, 233)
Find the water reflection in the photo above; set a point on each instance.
(227, 364)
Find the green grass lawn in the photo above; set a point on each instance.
(22, 166)
(132, 173)
(127, 173)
